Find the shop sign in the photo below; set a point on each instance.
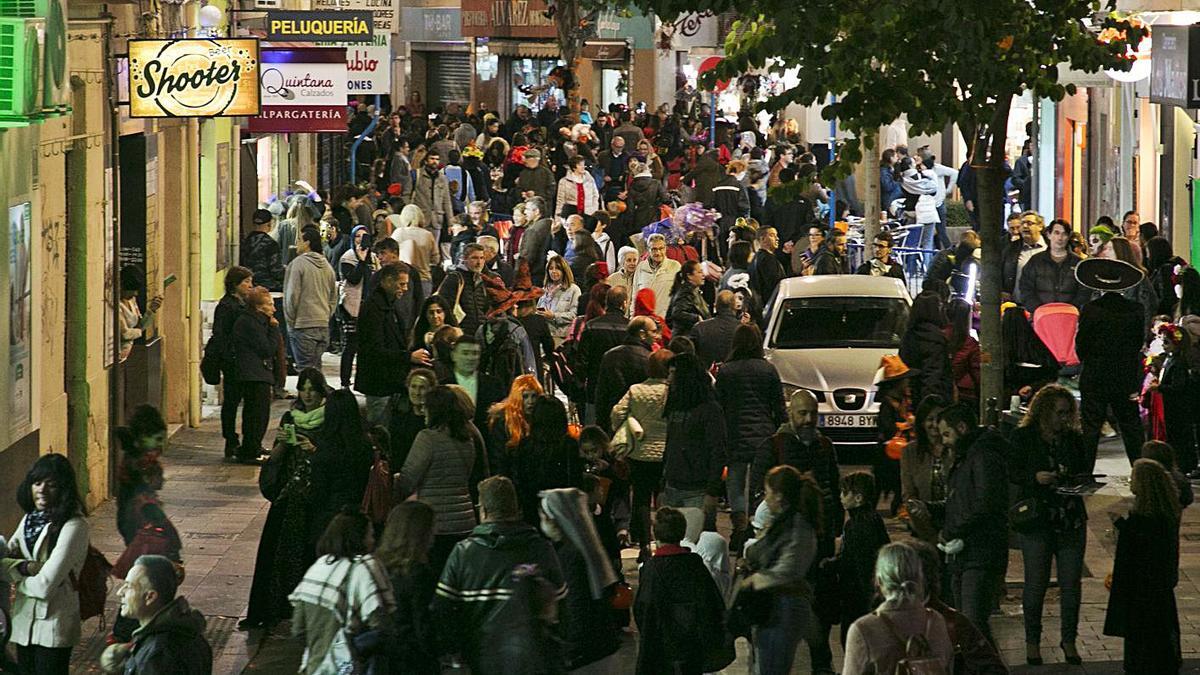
(343, 26)
(604, 51)
(385, 12)
(1175, 67)
(193, 78)
(637, 28)
(303, 91)
(507, 19)
(431, 24)
(369, 67)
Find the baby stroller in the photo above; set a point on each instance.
(1055, 324)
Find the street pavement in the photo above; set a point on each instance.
(220, 514)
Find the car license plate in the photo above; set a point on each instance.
(847, 420)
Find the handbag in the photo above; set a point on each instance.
(749, 608)
(457, 311)
(625, 439)
(377, 498)
(1026, 513)
(151, 539)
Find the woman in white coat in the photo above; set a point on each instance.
(44, 554)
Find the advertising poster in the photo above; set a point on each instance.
(193, 78)
(303, 90)
(385, 12)
(343, 26)
(20, 295)
(369, 67)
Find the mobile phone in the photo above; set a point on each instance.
(290, 431)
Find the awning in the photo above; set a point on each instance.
(526, 50)
(605, 51)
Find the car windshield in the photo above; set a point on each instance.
(806, 323)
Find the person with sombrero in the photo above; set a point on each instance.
(894, 423)
(1109, 346)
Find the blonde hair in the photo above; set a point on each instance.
(1042, 406)
(899, 576)
(412, 216)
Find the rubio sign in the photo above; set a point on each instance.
(194, 78)
(339, 26)
(369, 67)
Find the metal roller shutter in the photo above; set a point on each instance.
(449, 78)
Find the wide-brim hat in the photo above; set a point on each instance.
(502, 298)
(892, 368)
(1103, 274)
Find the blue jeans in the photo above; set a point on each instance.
(736, 484)
(776, 640)
(976, 591)
(1037, 549)
(928, 230)
(682, 499)
(308, 344)
(943, 238)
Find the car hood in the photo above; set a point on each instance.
(830, 368)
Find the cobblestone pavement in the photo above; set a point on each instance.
(219, 513)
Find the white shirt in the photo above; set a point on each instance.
(470, 383)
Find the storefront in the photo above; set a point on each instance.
(434, 62)
(515, 46)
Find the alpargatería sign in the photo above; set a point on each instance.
(339, 26)
(194, 78)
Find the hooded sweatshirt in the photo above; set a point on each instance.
(644, 304)
(173, 642)
(309, 292)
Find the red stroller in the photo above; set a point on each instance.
(1055, 324)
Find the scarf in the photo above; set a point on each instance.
(35, 522)
(310, 420)
(580, 198)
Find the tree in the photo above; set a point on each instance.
(942, 62)
(575, 23)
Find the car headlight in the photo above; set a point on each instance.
(789, 389)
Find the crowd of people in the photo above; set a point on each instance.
(523, 396)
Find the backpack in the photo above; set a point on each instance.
(566, 367)
(92, 583)
(501, 356)
(211, 362)
(918, 657)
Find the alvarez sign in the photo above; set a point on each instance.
(193, 78)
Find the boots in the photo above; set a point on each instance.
(741, 532)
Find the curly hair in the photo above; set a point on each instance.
(1041, 408)
(1154, 491)
(511, 410)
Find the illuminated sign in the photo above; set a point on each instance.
(340, 26)
(303, 90)
(193, 78)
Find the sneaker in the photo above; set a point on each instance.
(249, 624)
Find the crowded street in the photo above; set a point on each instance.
(370, 337)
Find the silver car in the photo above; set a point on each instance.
(827, 334)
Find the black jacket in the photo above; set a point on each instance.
(1145, 573)
(1043, 281)
(1008, 265)
(714, 336)
(827, 262)
(473, 299)
(730, 199)
(1028, 455)
(339, 478)
(704, 178)
(383, 360)
(490, 391)
(224, 316)
(790, 219)
(765, 274)
(620, 367)
(751, 396)
(687, 309)
(586, 624)
(172, 643)
(695, 454)
(540, 181)
(1109, 345)
(645, 196)
(924, 348)
(817, 456)
(414, 649)
(470, 608)
(535, 243)
(260, 253)
(895, 270)
(977, 500)
(255, 347)
(680, 614)
(599, 335)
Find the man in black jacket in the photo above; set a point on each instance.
(535, 243)
(832, 260)
(623, 366)
(1109, 344)
(471, 610)
(730, 198)
(1049, 276)
(536, 180)
(483, 389)
(765, 269)
(601, 334)
(261, 254)
(170, 638)
(974, 535)
(714, 336)
(800, 445)
(464, 289)
(383, 356)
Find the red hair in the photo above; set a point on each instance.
(512, 409)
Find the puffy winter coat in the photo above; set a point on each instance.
(473, 298)
(254, 346)
(173, 642)
(751, 396)
(731, 199)
(437, 471)
(977, 500)
(644, 402)
(687, 309)
(261, 254)
(1044, 280)
(645, 196)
